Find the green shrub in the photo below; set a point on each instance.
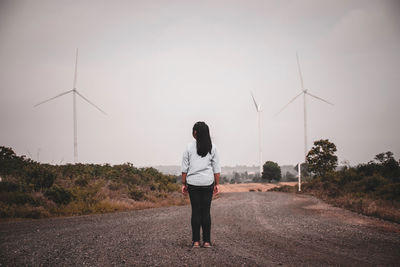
(115, 186)
(6, 186)
(81, 181)
(371, 183)
(135, 193)
(88, 194)
(18, 198)
(171, 187)
(59, 195)
(368, 184)
(6, 211)
(10, 163)
(41, 176)
(389, 192)
(30, 188)
(27, 211)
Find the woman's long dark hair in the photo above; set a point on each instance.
(203, 139)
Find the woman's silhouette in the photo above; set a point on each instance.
(200, 177)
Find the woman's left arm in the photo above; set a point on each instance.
(184, 184)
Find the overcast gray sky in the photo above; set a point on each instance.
(157, 67)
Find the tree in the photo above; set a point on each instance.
(321, 159)
(10, 163)
(383, 158)
(387, 166)
(271, 171)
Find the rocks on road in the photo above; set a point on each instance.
(253, 228)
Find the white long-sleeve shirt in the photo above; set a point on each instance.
(200, 170)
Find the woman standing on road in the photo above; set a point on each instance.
(200, 177)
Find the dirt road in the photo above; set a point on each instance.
(253, 228)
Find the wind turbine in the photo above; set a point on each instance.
(74, 92)
(304, 92)
(258, 109)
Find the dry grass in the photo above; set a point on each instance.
(379, 208)
(384, 209)
(98, 196)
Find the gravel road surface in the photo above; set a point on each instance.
(248, 229)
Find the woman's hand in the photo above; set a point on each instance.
(184, 189)
(216, 189)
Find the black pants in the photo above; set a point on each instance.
(200, 199)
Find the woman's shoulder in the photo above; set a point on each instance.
(191, 145)
(213, 148)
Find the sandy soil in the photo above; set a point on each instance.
(259, 187)
(248, 229)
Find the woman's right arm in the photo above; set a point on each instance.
(216, 183)
(216, 169)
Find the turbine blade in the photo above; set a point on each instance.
(53, 98)
(76, 68)
(293, 99)
(87, 100)
(319, 98)
(255, 103)
(301, 76)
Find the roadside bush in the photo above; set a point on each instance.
(41, 176)
(8, 186)
(6, 211)
(371, 183)
(18, 198)
(285, 188)
(171, 187)
(135, 193)
(87, 194)
(59, 195)
(114, 186)
(27, 211)
(34, 190)
(366, 185)
(389, 192)
(10, 163)
(81, 181)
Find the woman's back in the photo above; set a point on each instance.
(200, 170)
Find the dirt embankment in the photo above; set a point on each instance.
(247, 187)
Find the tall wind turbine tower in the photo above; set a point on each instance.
(304, 92)
(74, 92)
(258, 109)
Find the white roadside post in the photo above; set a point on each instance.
(299, 170)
